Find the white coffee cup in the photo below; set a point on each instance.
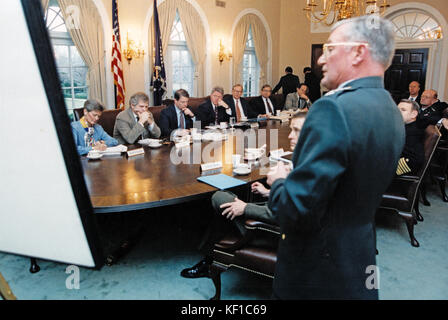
(236, 159)
(223, 125)
(277, 112)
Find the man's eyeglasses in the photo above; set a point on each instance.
(328, 47)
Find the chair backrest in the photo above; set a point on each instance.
(156, 110)
(432, 137)
(107, 120)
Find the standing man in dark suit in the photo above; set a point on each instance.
(414, 93)
(326, 206)
(288, 83)
(262, 106)
(177, 115)
(313, 84)
(237, 104)
(431, 111)
(214, 110)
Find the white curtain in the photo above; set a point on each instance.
(194, 36)
(45, 5)
(260, 43)
(86, 29)
(238, 46)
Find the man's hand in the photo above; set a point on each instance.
(445, 123)
(143, 117)
(223, 104)
(259, 188)
(233, 209)
(303, 96)
(280, 171)
(188, 112)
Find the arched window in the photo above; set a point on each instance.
(416, 26)
(71, 67)
(251, 68)
(180, 67)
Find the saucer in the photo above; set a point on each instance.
(242, 170)
(94, 156)
(154, 146)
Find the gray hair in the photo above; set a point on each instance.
(414, 104)
(377, 32)
(218, 89)
(137, 97)
(91, 105)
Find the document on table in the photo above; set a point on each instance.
(115, 150)
(221, 181)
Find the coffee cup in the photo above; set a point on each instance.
(223, 125)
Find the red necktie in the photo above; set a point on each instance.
(238, 112)
(182, 121)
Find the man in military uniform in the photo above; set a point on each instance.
(344, 160)
(432, 110)
(413, 154)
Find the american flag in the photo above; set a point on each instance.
(158, 80)
(117, 67)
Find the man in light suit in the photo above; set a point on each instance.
(237, 104)
(136, 122)
(326, 205)
(299, 99)
(177, 116)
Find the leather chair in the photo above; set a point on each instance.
(255, 252)
(438, 168)
(156, 110)
(402, 195)
(107, 119)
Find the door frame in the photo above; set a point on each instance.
(432, 49)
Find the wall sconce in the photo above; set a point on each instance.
(132, 50)
(222, 55)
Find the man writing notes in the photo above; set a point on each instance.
(177, 116)
(326, 205)
(136, 122)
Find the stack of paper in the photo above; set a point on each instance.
(115, 150)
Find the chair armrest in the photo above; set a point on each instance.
(407, 178)
(259, 225)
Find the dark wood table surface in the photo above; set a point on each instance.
(118, 183)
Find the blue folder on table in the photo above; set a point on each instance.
(221, 181)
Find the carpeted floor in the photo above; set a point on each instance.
(151, 269)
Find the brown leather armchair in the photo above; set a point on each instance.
(255, 252)
(403, 193)
(107, 119)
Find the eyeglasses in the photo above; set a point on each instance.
(328, 47)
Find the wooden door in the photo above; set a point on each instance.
(407, 65)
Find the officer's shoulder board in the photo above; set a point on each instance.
(338, 91)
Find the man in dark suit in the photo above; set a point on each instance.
(345, 159)
(262, 106)
(313, 84)
(177, 115)
(414, 93)
(431, 111)
(214, 110)
(237, 104)
(413, 154)
(288, 83)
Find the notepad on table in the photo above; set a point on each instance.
(221, 181)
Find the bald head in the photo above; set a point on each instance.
(429, 97)
(414, 88)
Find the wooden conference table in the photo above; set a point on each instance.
(118, 183)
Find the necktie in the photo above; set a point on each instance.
(238, 112)
(216, 113)
(269, 105)
(182, 121)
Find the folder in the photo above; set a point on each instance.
(221, 181)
